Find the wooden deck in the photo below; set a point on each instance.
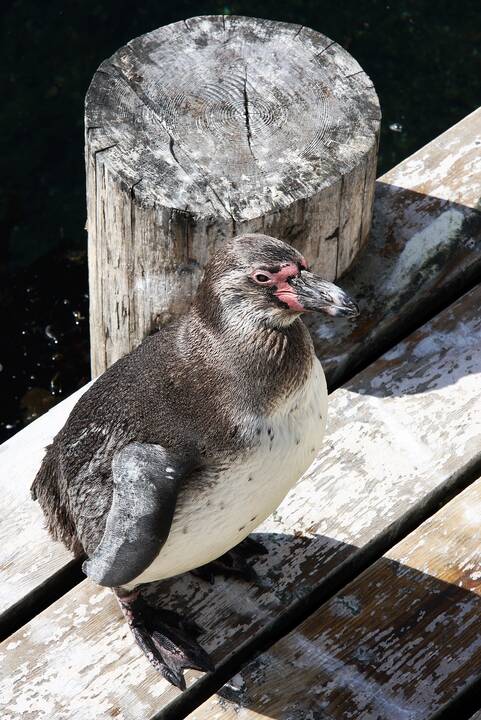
(368, 605)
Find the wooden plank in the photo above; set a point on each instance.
(446, 167)
(402, 428)
(28, 557)
(401, 641)
(426, 235)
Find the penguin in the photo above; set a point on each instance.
(185, 445)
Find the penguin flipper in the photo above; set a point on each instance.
(146, 479)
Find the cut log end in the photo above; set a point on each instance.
(212, 127)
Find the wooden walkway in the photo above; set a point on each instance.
(369, 601)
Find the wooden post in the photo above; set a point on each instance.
(213, 127)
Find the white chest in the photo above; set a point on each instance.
(239, 498)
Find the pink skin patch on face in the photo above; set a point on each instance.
(285, 292)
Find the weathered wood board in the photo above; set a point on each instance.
(426, 236)
(212, 127)
(399, 642)
(400, 429)
(392, 283)
(28, 557)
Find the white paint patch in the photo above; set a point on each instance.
(421, 247)
(246, 493)
(444, 341)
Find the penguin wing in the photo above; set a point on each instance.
(146, 480)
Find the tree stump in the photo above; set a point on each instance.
(213, 127)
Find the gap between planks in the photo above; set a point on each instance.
(41, 597)
(462, 705)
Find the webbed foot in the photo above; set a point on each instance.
(234, 563)
(167, 639)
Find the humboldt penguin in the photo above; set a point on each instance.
(182, 447)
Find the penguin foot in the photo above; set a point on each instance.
(167, 639)
(234, 563)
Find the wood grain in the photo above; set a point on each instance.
(399, 642)
(208, 128)
(399, 430)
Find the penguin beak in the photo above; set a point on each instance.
(315, 294)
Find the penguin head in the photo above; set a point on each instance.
(268, 281)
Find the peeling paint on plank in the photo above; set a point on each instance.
(425, 236)
(399, 642)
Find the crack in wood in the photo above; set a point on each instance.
(104, 149)
(334, 234)
(247, 117)
(359, 72)
(318, 55)
(223, 204)
(132, 188)
(341, 192)
(172, 152)
(148, 103)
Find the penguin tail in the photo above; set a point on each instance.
(46, 490)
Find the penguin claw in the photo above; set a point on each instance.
(174, 620)
(163, 636)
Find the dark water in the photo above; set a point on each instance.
(424, 58)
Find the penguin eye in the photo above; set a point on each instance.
(261, 278)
